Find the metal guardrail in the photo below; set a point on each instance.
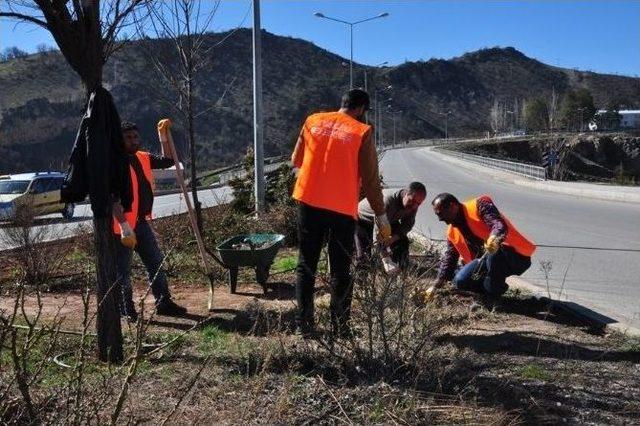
(522, 169)
(240, 172)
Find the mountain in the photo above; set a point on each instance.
(41, 98)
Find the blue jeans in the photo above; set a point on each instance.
(495, 270)
(151, 256)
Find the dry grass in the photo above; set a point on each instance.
(407, 364)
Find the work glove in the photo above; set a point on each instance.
(428, 294)
(390, 267)
(492, 244)
(384, 229)
(127, 236)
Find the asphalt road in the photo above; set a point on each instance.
(52, 227)
(606, 281)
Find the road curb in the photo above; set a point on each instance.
(583, 313)
(578, 189)
(579, 311)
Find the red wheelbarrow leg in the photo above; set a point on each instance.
(262, 275)
(233, 280)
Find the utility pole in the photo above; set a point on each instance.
(258, 148)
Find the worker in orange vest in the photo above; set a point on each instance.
(335, 155)
(491, 247)
(135, 233)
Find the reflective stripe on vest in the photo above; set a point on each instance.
(132, 216)
(514, 239)
(329, 177)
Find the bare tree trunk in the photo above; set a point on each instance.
(190, 122)
(192, 152)
(108, 318)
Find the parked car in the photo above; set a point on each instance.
(36, 193)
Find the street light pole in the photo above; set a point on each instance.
(351, 25)
(394, 128)
(351, 59)
(510, 121)
(581, 118)
(258, 152)
(446, 123)
(375, 120)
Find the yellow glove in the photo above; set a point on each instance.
(492, 244)
(428, 294)
(127, 236)
(384, 229)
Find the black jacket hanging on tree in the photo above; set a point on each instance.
(98, 165)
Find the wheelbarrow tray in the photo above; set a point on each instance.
(260, 256)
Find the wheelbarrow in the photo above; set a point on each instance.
(249, 250)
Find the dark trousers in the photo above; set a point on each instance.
(495, 270)
(151, 256)
(314, 226)
(364, 242)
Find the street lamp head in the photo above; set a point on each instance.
(319, 15)
(383, 15)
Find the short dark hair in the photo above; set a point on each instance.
(415, 187)
(355, 98)
(128, 125)
(445, 199)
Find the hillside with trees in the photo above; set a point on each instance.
(479, 92)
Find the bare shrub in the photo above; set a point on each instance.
(393, 331)
(36, 259)
(51, 375)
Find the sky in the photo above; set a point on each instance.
(599, 36)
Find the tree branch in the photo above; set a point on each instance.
(26, 18)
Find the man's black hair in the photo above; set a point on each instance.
(355, 98)
(128, 125)
(445, 200)
(417, 187)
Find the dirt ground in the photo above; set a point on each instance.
(518, 363)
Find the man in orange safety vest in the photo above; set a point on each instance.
(490, 246)
(135, 233)
(335, 156)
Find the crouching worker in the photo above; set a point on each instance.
(135, 233)
(401, 207)
(491, 248)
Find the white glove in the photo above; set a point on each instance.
(390, 267)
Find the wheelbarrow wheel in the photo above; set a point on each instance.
(262, 275)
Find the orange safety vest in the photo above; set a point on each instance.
(514, 239)
(132, 215)
(329, 177)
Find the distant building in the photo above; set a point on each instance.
(629, 118)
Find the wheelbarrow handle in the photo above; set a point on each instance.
(215, 257)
